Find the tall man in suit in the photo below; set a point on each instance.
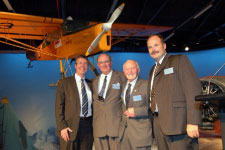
(136, 130)
(107, 106)
(173, 85)
(73, 109)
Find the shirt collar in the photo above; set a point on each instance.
(78, 77)
(161, 59)
(132, 82)
(109, 74)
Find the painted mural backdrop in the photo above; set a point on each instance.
(33, 100)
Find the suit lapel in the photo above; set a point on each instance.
(162, 66)
(123, 93)
(88, 84)
(135, 90)
(76, 93)
(136, 86)
(150, 75)
(96, 84)
(113, 78)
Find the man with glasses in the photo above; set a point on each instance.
(73, 110)
(107, 106)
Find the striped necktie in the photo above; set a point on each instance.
(103, 87)
(84, 99)
(153, 101)
(127, 96)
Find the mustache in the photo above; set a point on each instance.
(154, 52)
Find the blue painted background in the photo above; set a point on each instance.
(33, 100)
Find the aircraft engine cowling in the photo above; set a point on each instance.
(210, 109)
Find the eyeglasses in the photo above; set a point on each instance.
(102, 62)
(82, 63)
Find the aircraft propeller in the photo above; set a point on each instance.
(106, 27)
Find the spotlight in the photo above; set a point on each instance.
(186, 48)
(69, 18)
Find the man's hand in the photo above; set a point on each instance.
(129, 112)
(64, 134)
(192, 130)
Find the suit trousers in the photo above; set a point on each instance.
(173, 142)
(126, 144)
(84, 138)
(106, 143)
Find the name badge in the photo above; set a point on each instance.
(137, 98)
(116, 86)
(122, 95)
(168, 71)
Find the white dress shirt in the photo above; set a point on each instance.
(101, 81)
(152, 80)
(89, 95)
(131, 88)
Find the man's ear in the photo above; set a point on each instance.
(75, 66)
(164, 45)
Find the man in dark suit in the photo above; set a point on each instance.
(107, 106)
(73, 110)
(173, 85)
(136, 131)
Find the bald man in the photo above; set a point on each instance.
(136, 130)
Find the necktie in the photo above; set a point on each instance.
(103, 88)
(127, 96)
(153, 102)
(84, 99)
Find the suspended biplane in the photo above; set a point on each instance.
(59, 41)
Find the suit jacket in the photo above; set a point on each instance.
(177, 84)
(107, 115)
(67, 106)
(139, 127)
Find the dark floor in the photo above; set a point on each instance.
(209, 140)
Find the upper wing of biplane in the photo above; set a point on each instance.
(19, 26)
(57, 45)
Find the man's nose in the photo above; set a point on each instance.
(129, 71)
(153, 48)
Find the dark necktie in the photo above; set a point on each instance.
(103, 88)
(153, 101)
(127, 96)
(84, 99)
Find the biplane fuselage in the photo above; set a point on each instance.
(78, 43)
(55, 45)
